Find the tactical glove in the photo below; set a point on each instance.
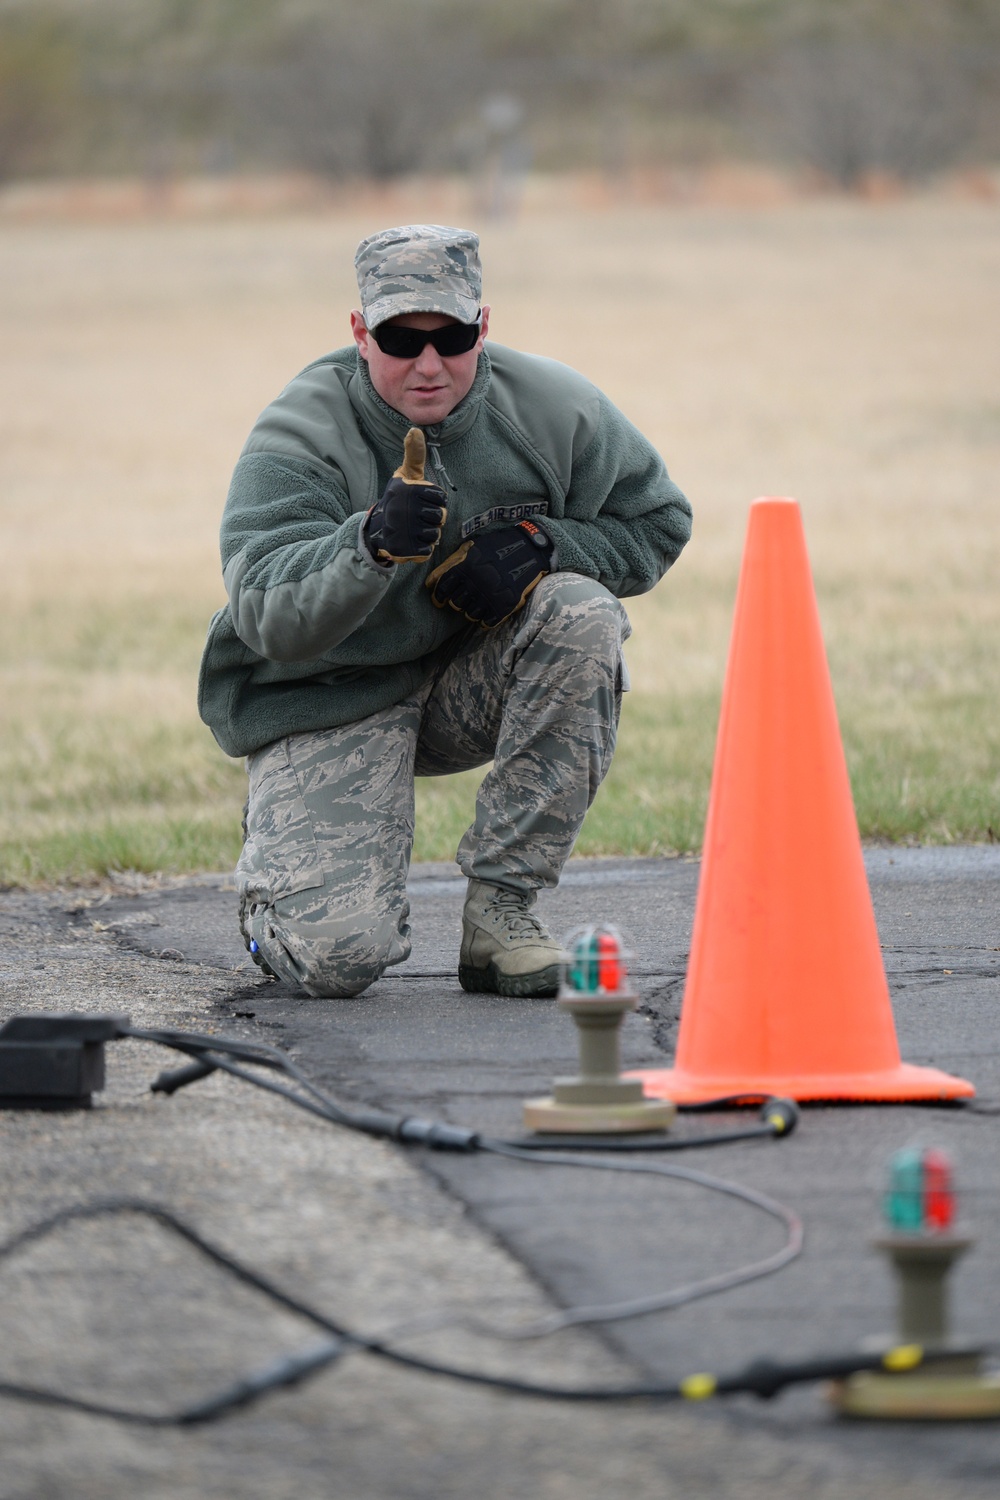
(405, 525)
(490, 576)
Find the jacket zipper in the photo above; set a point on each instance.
(438, 462)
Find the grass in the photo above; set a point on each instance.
(839, 352)
(107, 795)
(105, 767)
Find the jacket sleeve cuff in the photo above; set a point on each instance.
(365, 553)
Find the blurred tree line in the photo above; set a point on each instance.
(380, 88)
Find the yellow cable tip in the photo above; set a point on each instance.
(698, 1387)
(903, 1357)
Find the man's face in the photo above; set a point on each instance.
(427, 388)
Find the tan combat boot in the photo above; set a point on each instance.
(506, 950)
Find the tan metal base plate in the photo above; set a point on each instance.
(918, 1398)
(598, 1119)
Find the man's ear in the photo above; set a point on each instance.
(484, 330)
(359, 328)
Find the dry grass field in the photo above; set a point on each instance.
(842, 352)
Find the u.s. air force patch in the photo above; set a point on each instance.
(511, 513)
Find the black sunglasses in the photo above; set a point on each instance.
(410, 343)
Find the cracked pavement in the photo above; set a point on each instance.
(388, 1239)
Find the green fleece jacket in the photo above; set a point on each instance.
(317, 633)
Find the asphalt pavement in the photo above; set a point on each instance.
(416, 1042)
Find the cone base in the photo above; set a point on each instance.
(890, 1084)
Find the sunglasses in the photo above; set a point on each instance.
(410, 343)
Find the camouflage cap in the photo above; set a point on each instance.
(419, 268)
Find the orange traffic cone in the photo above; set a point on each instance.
(786, 991)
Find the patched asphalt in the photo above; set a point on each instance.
(416, 1042)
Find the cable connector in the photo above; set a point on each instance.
(173, 1079)
(285, 1371)
(55, 1062)
(781, 1114)
(437, 1134)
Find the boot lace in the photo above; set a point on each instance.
(510, 913)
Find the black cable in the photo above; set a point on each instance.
(285, 1372)
(212, 1053)
(533, 1152)
(783, 1116)
(780, 1115)
(641, 1142)
(761, 1378)
(724, 1101)
(681, 1296)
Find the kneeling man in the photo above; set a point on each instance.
(394, 614)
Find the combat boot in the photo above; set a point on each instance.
(250, 944)
(505, 949)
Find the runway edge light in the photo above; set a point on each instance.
(594, 989)
(922, 1246)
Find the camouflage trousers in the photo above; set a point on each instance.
(322, 877)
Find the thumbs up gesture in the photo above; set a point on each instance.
(405, 525)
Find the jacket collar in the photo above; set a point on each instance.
(390, 426)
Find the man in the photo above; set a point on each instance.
(385, 622)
